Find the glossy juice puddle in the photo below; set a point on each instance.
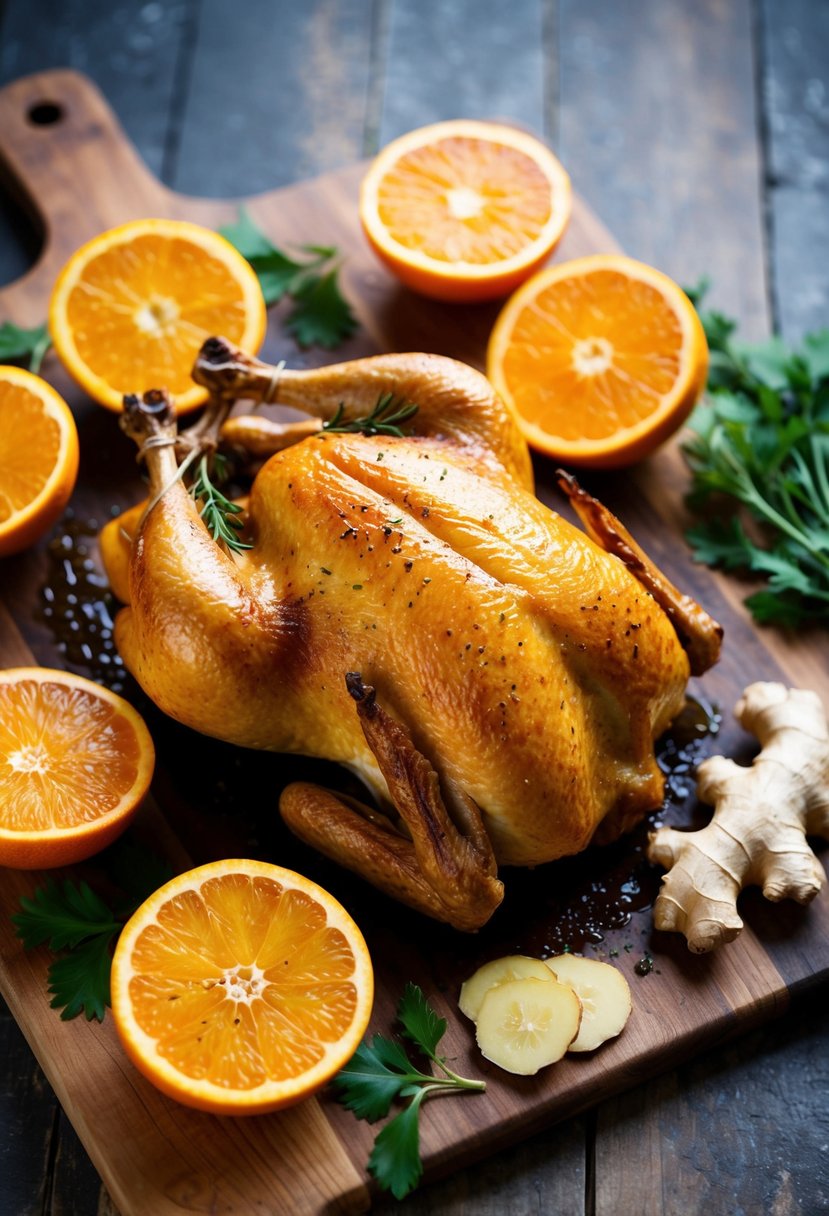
(77, 605)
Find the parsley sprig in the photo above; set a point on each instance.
(385, 419)
(381, 1071)
(71, 917)
(29, 344)
(320, 315)
(217, 511)
(761, 438)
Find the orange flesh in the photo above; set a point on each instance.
(242, 981)
(595, 353)
(151, 302)
(462, 199)
(66, 757)
(25, 467)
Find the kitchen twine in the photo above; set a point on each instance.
(269, 395)
(163, 441)
(168, 441)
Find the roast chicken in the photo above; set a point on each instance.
(409, 609)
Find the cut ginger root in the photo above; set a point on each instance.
(499, 971)
(604, 994)
(761, 819)
(526, 1024)
(529, 1012)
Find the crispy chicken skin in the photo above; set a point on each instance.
(409, 609)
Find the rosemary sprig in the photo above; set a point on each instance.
(384, 419)
(217, 511)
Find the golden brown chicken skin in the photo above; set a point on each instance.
(409, 609)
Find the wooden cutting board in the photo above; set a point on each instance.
(66, 158)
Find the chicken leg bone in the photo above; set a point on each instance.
(454, 402)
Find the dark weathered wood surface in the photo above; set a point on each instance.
(699, 133)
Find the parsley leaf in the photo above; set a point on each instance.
(395, 1159)
(62, 916)
(380, 1072)
(250, 241)
(816, 354)
(321, 316)
(31, 344)
(419, 1021)
(72, 917)
(761, 439)
(375, 1075)
(79, 981)
(721, 542)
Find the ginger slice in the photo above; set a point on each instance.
(499, 971)
(525, 1025)
(604, 994)
(761, 818)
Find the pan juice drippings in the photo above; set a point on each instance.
(576, 903)
(77, 605)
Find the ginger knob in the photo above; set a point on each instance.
(762, 815)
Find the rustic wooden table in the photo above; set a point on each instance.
(700, 134)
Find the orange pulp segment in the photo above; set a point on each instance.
(241, 987)
(132, 307)
(75, 762)
(38, 458)
(464, 210)
(600, 359)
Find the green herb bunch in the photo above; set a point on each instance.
(380, 1072)
(761, 438)
(320, 315)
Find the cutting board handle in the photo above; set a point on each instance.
(64, 156)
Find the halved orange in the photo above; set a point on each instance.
(241, 987)
(465, 210)
(75, 762)
(38, 458)
(600, 360)
(131, 308)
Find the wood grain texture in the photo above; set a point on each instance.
(663, 1148)
(292, 82)
(731, 1135)
(795, 76)
(28, 1106)
(656, 123)
(463, 60)
(131, 50)
(546, 1174)
(477, 1182)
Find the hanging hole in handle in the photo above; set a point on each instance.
(45, 113)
